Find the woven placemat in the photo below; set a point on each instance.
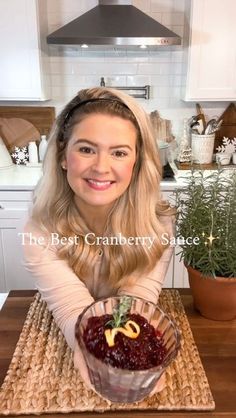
(42, 379)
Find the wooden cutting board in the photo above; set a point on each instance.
(228, 127)
(21, 124)
(17, 132)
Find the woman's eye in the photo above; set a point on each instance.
(86, 150)
(120, 153)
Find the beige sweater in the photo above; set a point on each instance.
(66, 295)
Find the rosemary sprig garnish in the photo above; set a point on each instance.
(120, 312)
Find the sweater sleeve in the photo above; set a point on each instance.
(65, 295)
(149, 286)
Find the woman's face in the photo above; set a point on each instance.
(99, 159)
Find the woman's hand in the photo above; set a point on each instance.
(80, 364)
(159, 385)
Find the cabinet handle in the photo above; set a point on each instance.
(1, 207)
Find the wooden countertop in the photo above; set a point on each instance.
(216, 341)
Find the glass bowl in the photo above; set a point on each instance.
(123, 385)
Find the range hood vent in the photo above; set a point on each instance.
(114, 22)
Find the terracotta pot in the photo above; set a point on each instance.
(213, 298)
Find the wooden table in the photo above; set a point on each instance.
(216, 342)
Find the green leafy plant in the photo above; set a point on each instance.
(206, 211)
(120, 312)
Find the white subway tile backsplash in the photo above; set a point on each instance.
(138, 80)
(115, 55)
(149, 68)
(57, 20)
(143, 5)
(160, 80)
(179, 5)
(62, 67)
(162, 91)
(176, 80)
(169, 19)
(106, 68)
(177, 56)
(166, 68)
(69, 6)
(161, 5)
(160, 56)
(140, 55)
(177, 68)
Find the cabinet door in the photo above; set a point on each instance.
(12, 271)
(211, 73)
(20, 72)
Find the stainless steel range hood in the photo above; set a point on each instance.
(114, 22)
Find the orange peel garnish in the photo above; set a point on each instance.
(131, 329)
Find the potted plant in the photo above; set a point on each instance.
(206, 235)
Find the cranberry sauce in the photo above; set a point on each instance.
(143, 352)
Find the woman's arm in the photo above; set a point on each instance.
(149, 286)
(65, 294)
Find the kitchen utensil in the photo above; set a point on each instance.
(209, 126)
(192, 121)
(196, 124)
(201, 117)
(212, 126)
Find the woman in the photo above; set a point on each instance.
(97, 220)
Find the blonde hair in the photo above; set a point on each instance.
(136, 213)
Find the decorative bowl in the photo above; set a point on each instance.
(123, 385)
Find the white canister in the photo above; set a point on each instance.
(33, 152)
(223, 158)
(42, 147)
(202, 148)
(234, 158)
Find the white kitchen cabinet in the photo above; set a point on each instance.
(13, 215)
(24, 71)
(211, 63)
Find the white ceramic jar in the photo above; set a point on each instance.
(33, 152)
(223, 158)
(42, 147)
(202, 148)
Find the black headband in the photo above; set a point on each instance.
(83, 102)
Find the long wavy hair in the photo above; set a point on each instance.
(136, 213)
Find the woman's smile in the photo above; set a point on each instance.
(99, 185)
